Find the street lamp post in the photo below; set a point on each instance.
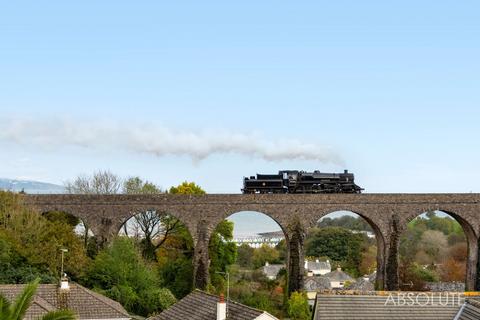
(63, 250)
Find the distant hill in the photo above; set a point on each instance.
(30, 186)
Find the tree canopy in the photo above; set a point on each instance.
(337, 244)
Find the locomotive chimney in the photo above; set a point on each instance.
(345, 171)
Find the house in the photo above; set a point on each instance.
(271, 270)
(317, 267)
(362, 284)
(313, 284)
(338, 278)
(392, 307)
(85, 303)
(199, 305)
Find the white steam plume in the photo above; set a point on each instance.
(155, 139)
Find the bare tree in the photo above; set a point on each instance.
(101, 182)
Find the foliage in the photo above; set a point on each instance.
(245, 255)
(347, 222)
(63, 217)
(187, 188)
(135, 185)
(24, 229)
(222, 251)
(434, 244)
(120, 272)
(339, 245)
(15, 269)
(298, 308)
(282, 251)
(255, 290)
(433, 248)
(453, 270)
(369, 261)
(18, 309)
(265, 254)
(175, 265)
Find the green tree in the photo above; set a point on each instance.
(187, 188)
(34, 241)
(347, 222)
(339, 245)
(223, 253)
(298, 308)
(15, 269)
(264, 254)
(245, 255)
(120, 272)
(135, 185)
(18, 309)
(281, 247)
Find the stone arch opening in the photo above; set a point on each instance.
(358, 253)
(437, 252)
(260, 259)
(166, 242)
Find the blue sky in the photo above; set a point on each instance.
(391, 88)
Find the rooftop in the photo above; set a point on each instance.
(470, 311)
(85, 303)
(199, 305)
(339, 275)
(375, 306)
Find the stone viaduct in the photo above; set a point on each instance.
(388, 214)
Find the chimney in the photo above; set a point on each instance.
(64, 285)
(339, 268)
(221, 309)
(266, 264)
(366, 278)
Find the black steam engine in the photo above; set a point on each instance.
(294, 181)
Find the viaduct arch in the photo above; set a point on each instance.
(388, 214)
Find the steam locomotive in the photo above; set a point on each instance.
(294, 181)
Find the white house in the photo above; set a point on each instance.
(317, 267)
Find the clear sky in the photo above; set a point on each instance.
(186, 90)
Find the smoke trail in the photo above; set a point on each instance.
(52, 134)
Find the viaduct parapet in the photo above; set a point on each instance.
(388, 215)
